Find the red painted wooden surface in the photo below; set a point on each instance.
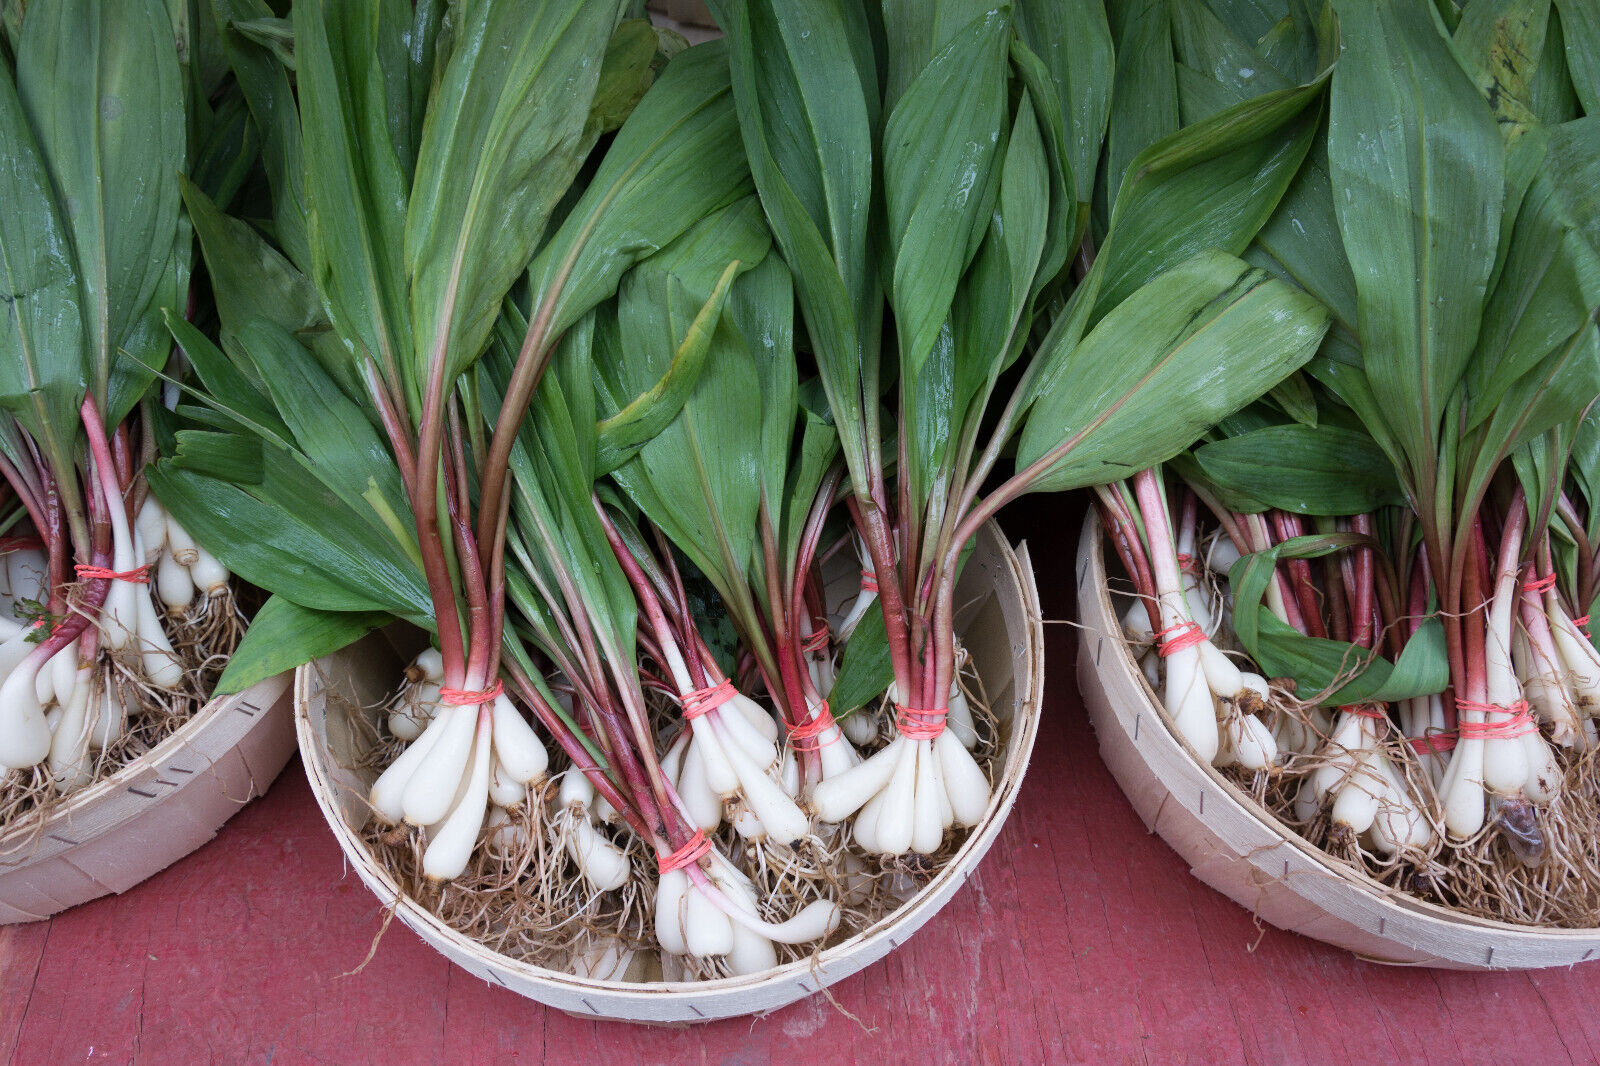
(1080, 939)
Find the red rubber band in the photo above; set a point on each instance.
(1176, 638)
(1543, 584)
(139, 575)
(1186, 563)
(1432, 743)
(869, 582)
(1581, 622)
(691, 852)
(1520, 724)
(1365, 710)
(466, 697)
(817, 642)
(705, 700)
(805, 736)
(920, 723)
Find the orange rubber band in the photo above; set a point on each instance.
(691, 852)
(705, 700)
(466, 697)
(817, 642)
(869, 581)
(1581, 622)
(139, 575)
(920, 723)
(1433, 743)
(1176, 638)
(805, 736)
(1186, 563)
(1365, 710)
(1520, 724)
(1543, 584)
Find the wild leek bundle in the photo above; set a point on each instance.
(95, 132)
(1419, 565)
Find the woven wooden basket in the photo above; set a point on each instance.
(1000, 625)
(153, 811)
(1243, 852)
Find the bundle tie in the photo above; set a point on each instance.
(1175, 638)
(1581, 623)
(920, 723)
(139, 575)
(1186, 563)
(466, 697)
(1543, 584)
(692, 852)
(705, 700)
(1520, 724)
(804, 737)
(817, 642)
(1365, 710)
(869, 582)
(1433, 743)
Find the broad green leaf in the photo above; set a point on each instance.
(355, 185)
(917, 30)
(1211, 185)
(101, 86)
(1328, 470)
(808, 121)
(1417, 167)
(1196, 344)
(292, 535)
(42, 372)
(284, 635)
(652, 186)
(1500, 43)
(1073, 39)
(865, 669)
(1144, 95)
(503, 139)
(939, 144)
(261, 75)
(1580, 30)
(249, 278)
(1318, 664)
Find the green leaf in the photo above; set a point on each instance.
(259, 68)
(355, 185)
(42, 373)
(1196, 344)
(938, 145)
(1580, 29)
(100, 84)
(1073, 39)
(1317, 663)
(652, 186)
(621, 435)
(1144, 95)
(1211, 185)
(1417, 166)
(292, 534)
(249, 278)
(865, 669)
(503, 139)
(284, 635)
(1328, 470)
(808, 120)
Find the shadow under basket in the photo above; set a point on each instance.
(152, 812)
(1000, 625)
(1242, 851)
